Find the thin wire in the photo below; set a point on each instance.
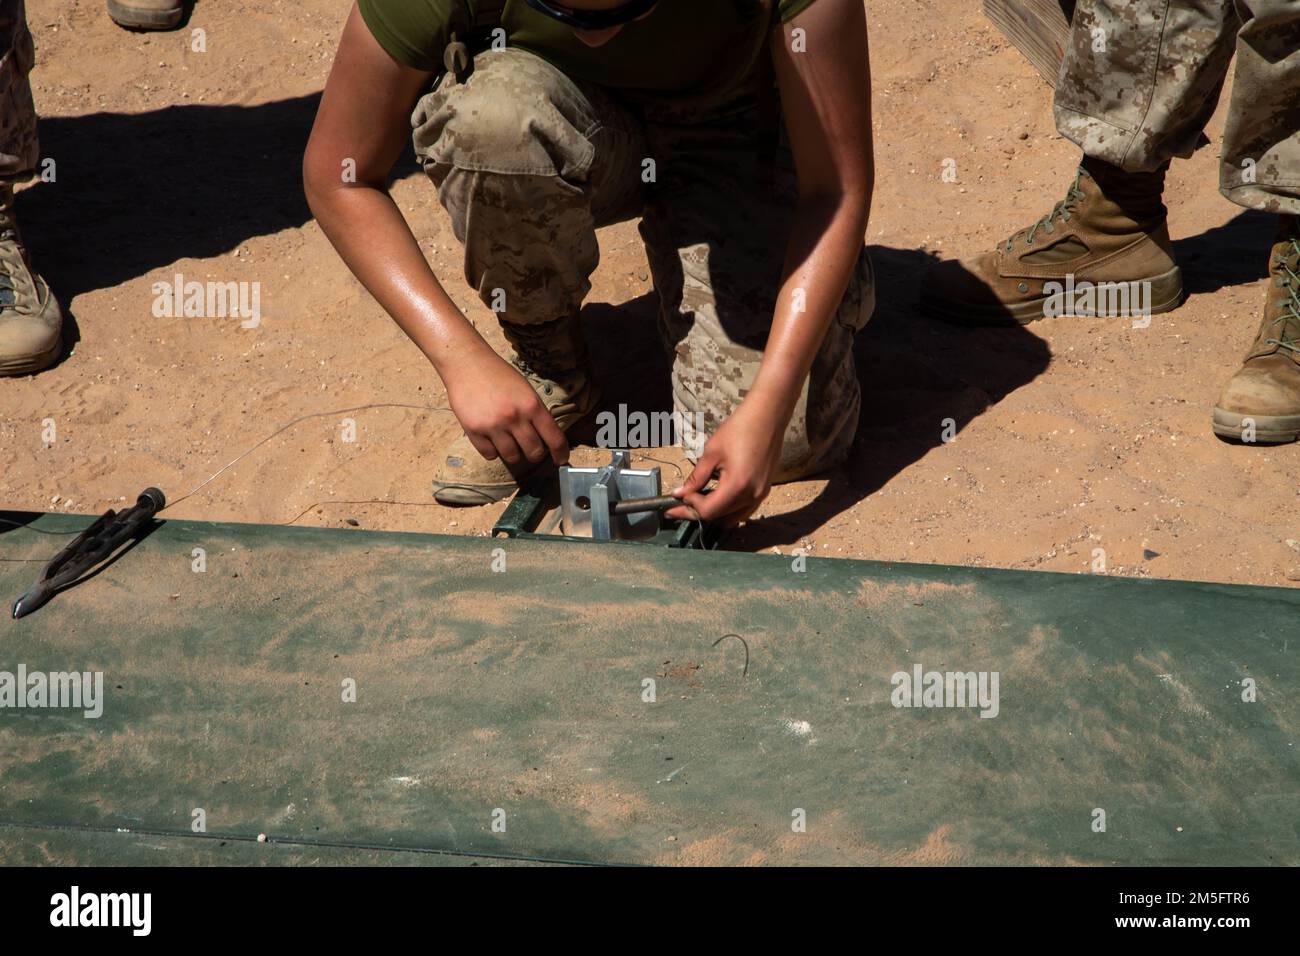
(363, 501)
(366, 501)
(28, 527)
(662, 461)
(745, 672)
(697, 519)
(301, 418)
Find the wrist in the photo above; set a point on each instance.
(771, 403)
(465, 360)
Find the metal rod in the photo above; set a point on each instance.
(632, 506)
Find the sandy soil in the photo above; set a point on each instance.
(1073, 434)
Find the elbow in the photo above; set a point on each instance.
(315, 181)
(848, 204)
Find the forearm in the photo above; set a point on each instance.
(373, 239)
(822, 254)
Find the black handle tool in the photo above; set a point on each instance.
(108, 532)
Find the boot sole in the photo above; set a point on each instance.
(32, 363)
(1269, 429)
(472, 495)
(1166, 295)
(144, 19)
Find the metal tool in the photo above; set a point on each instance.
(632, 506)
(589, 500)
(108, 532)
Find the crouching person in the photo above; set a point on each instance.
(737, 132)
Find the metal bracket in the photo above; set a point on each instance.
(586, 495)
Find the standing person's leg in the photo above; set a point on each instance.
(1141, 78)
(528, 163)
(1261, 170)
(1138, 83)
(31, 323)
(716, 227)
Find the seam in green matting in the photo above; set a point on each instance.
(311, 844)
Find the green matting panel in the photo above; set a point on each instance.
(521, 695)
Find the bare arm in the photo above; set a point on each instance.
(826, 99)
(361, 127)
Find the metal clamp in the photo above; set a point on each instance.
(588, 495)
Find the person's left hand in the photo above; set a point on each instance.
(743, 452)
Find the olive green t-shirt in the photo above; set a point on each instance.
(683, 51)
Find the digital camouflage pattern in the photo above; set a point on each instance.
(529, 162)
(1141, 79)
(18, 145)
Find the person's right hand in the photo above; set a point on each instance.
(501, 413)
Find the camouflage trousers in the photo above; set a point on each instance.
(529, 163)
(18, 146)
(1141, 79)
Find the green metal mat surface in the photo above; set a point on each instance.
(506, 715)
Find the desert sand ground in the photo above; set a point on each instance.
(1073, 434)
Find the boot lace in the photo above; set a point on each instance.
(1288, 323)
(1060, 211)
(8, 293)
(544, 383)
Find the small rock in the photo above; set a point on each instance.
(353, 521)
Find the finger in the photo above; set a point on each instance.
(698, 478)
(736, 517)
(722, 500)
(507, 448)
(530, 443)
(483, 445)
(739, 510)
(682, 513)
(749, 502)
(553, 436)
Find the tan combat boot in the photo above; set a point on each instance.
(31, 323)
(465, 477)
(1102, 250)
(146, 14)
(1261, 403)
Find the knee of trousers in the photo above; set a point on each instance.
(712, 374)
(516, 114)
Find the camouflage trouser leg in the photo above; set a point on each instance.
(528, 163)
(18, 146)
(1141, 79)
(715, 229)
(1261, 139)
